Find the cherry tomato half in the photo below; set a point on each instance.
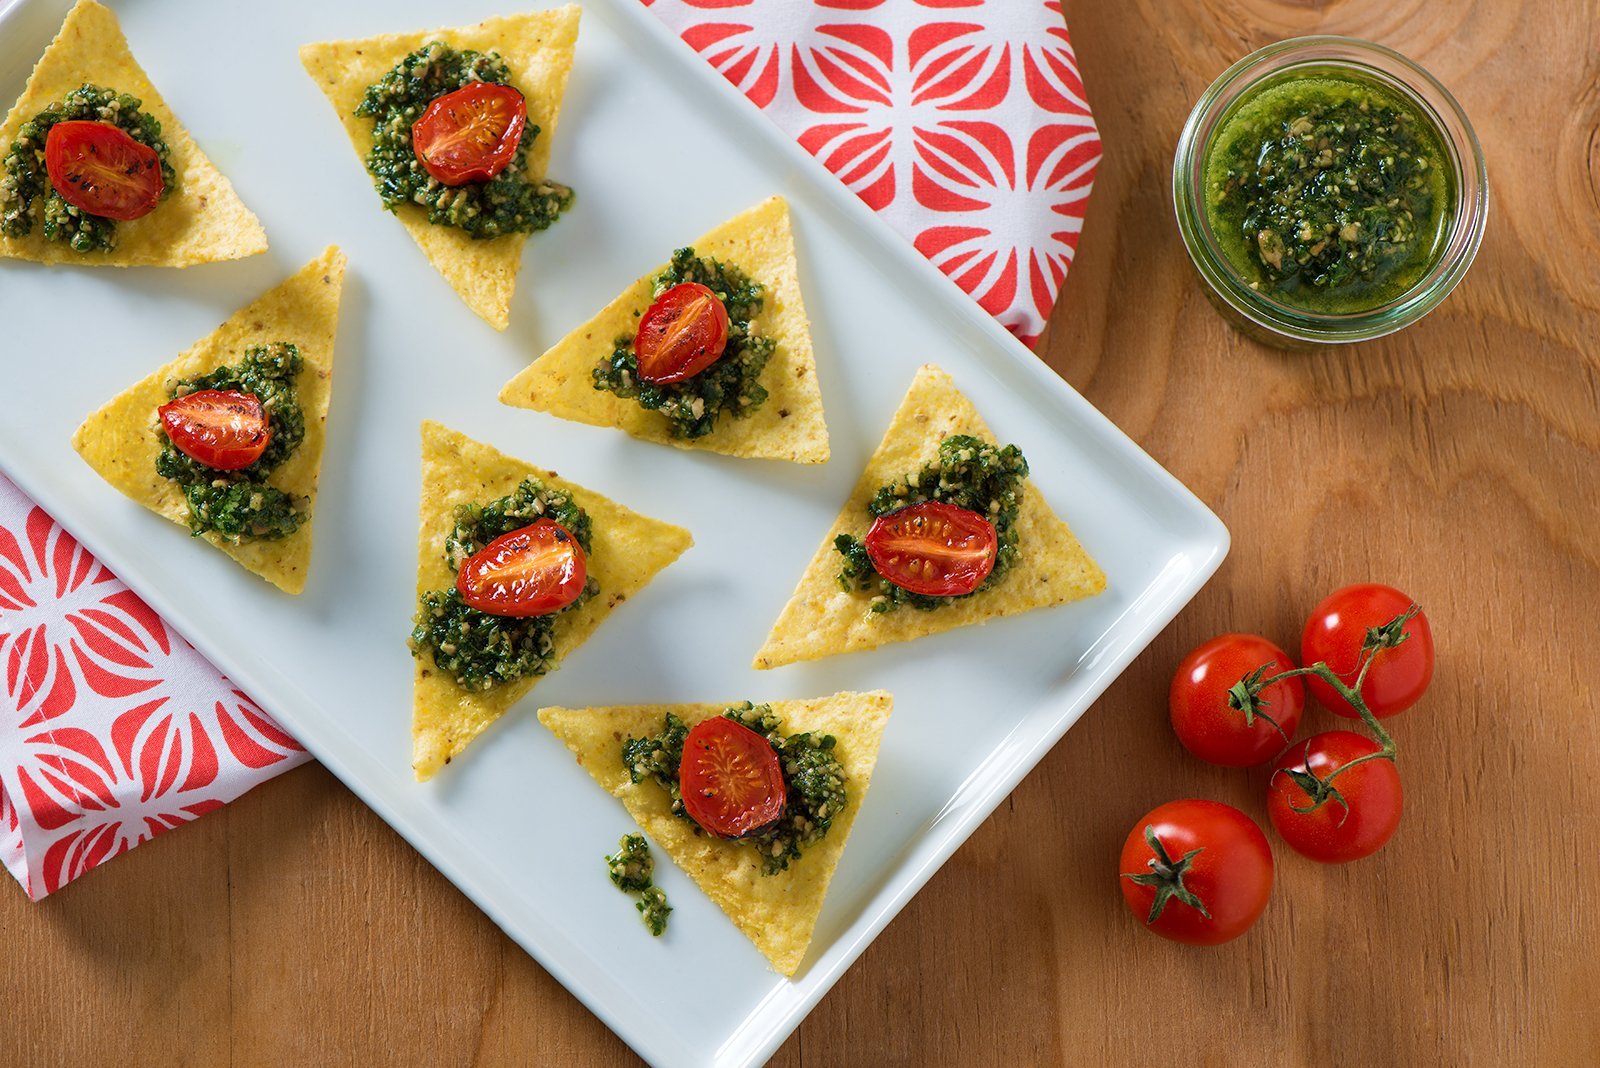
(933, 548)
(470, 135)
(221, 428)
(100, 169)
(529, 572)
(1334, 633)
(681, 334)
(1209, 726)
(1348, 827)
(730, 778)
(1212, 873)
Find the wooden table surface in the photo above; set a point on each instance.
(1459, 461)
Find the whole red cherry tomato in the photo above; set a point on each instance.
(533, 571)
(470, 135)
(221, 428)
(1334, 633)
(1239, 734)
(1196, 871)
(100, 169)
(933, 548)
(681, 334)
(1353, 822)
(730, 778)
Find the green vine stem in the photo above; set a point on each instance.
(1389, 636)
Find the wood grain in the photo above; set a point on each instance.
(1459, 461)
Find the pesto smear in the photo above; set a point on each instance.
(511, 202)
(969, 473)
(477, 649)
(813, 776)
(240, 505)
(730, 385)
(26, 181)
(1328, 193)
(632, 869)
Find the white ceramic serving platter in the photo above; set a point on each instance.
(660, 149)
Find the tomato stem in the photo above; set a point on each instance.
(1166, 875)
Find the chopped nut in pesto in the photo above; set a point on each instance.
(969, 473)
(654, 910)
(239, 505)
(632, 869)
(477, 649)
(26, 179)
(731, 385)
(511, 202)
(812, 774)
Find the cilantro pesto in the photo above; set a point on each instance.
(812, 774)
(513, 201)
(1329, 193)
(477, 649)
(729, 385)
(632, 870)
(239, 505)
(26, 181)
(969, 473)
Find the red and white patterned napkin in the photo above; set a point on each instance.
(962, 122)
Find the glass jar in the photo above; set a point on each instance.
(1262, 315)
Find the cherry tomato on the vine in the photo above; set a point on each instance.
(730, 778)
(933, 548)
(470, 135)
(221, 428)
(1362, 809)
(533, 571)
(1334, 633)
(99, 168)
(1230, 733)
(1196, 871)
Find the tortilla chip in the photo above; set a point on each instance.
(788, 426)
(538, 48)
(776, 912)
(821, 619)
(201, 221)
(627, 551)
(121, 440)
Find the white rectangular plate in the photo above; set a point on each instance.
(660, 150)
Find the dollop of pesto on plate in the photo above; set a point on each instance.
(812, 774)
(632, 870)
(477, 649)
(730, 385)
(27, 181)
(1328, 193)
(969, 473)
(513, 201)
(239, 505)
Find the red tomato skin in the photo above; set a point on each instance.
(128, 172)
(1232, 875)
(484, 584)
(669, 349)
(889, 532)
(1198, 701)
(1398, 678)
(705, 739)
(437, 127)
(222, 428)
(1329, 834)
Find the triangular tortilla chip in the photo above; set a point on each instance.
(538, 48)
(821, 619)
(201, 221)
(788, 426)
(121, 440)
(776, 912)
(627, 551)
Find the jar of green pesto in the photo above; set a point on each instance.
(1329, 190)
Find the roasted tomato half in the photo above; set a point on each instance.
(221, 428)
(533, 571)
(100, 169)
(730, 778)
(933, 548)
(470, 135)
(681, 334)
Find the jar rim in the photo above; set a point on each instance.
(1391, 70)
